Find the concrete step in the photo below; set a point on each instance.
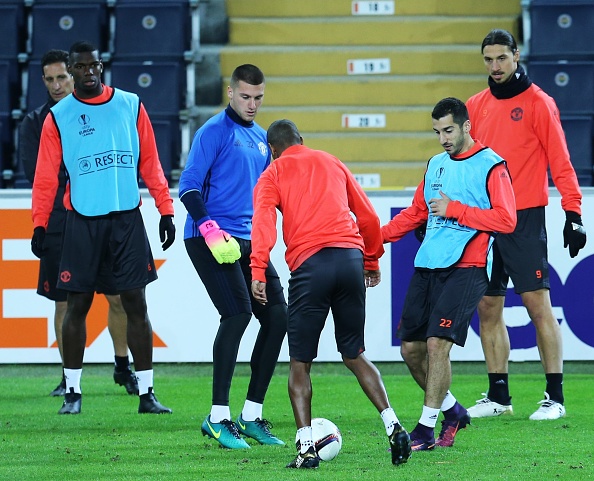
(404, 146)
(333, 60)
(394, 90)
(391, 176)
(354, 145)
(303, 47)
(330, 119)
(373, 147)
(399, 158)
(415, 30)
(323, 8)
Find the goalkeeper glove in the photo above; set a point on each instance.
(223, 246)
(574, 234)
(37, 242)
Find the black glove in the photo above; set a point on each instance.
(574, 234)
(166, 231)
(37, 241)
(420, 231)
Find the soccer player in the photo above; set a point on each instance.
(59, 84)
(520, 122)
(466, 198)
(104, 138)
(228, 154)
(332, 259)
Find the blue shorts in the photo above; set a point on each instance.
(521, 256)
(108, 254)
(441, 303)
(330, 279)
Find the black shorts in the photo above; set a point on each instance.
(521, 255)
(441, 304)
(330, 279)
(108, 254)
(49, 267)
(229, 285)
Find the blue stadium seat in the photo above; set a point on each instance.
(561, 28)
(168, 137)
(6, 142)
(160, 85)
(19, 181)
(569, 83)
(9, 86)
(146, 30)
(12, 26)
(585, 179)
(59, 25)
(36, 92)
(578, 133)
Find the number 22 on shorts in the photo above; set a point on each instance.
(445, 322)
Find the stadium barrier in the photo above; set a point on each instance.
(185, 322)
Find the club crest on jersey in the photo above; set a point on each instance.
(263, 148)
(517, 114)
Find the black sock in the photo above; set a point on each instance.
(555, 387)
(122, 363)
(498, 388)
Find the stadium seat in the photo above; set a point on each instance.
(146, 30)
(561, 28)
(6, 145)
(168, 137)
(59, 25)
(12, 26)
(9, 86)
(160, 85)
(569, 83)
(36, 91)
(578, 133)
(19, 181)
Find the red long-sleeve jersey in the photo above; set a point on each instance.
(500, 218)
(316, 194)
(526, 131)
(50, 157)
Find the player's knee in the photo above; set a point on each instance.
(413, 352)
(275, 319)
(79, 304)
(490, 309)
(357, 363)
(236, 324)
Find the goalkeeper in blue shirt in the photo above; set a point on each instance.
(228, 154)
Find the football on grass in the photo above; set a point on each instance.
(327, 438)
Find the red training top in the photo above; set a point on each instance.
(526, 131)
(316, 194)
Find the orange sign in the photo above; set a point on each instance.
(22, 274)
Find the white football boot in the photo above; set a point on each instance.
(548, 409)
(485, 408)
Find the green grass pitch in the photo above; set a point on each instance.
(110, 441)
